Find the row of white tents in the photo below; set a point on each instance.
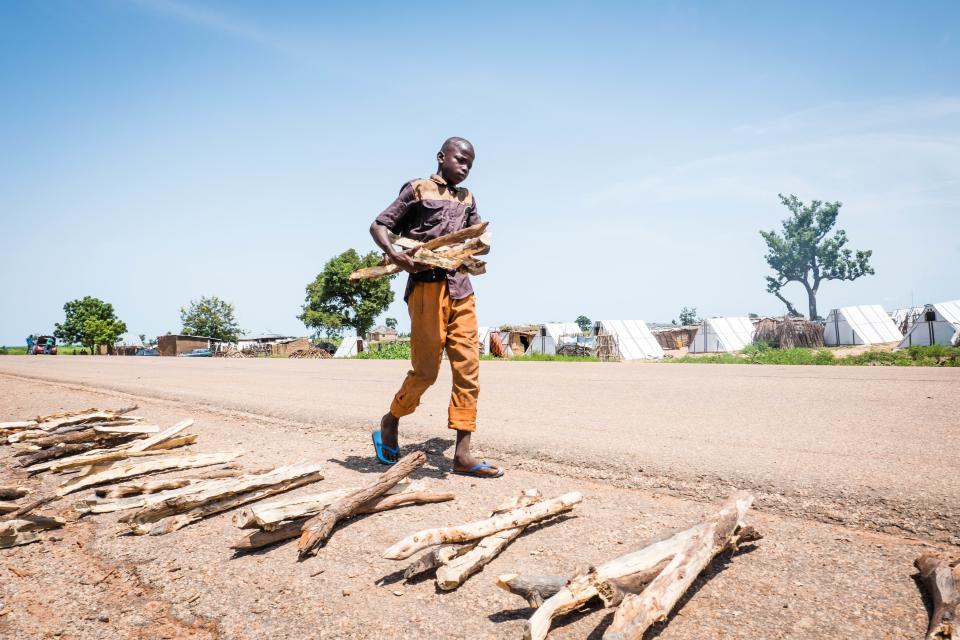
(855, 325)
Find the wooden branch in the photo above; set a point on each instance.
(473, 530)
(436, 557)
(292, 529)
(153, 441)
(385, 503)
(12, 493)
(24, 530)
(318, 529)
(90, 416)
(582, 588)
(165, 484)
(269, 515)
(534, 589)
(8, 507)
(240, 493)
(123, 453)
(456, 570)
(90, 436)
(122, 470)
(941, 581)
(637, 612)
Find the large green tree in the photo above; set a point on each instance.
(334, 303)
(211, 317)
(91, 322)
(584, 323)
(807, 253)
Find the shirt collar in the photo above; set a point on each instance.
(436, 177)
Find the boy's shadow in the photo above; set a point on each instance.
(438, 464)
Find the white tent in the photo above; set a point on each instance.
(722, 334)
(547, 340)
(937, 324)
(865, 324)
(483, 337)
(633, 339)
(351, 346)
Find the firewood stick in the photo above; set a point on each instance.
(436, 557)
(582, 588)
(122, 470)
(428, 248)
(23, 511)
(638, 611)
(534, 589)
(113, 455)
(481, 528)
(385, 503)
(318, 528)
(941, 582)
(272, 483)
(7, 507)
(152, 492)
(156, 486)
(152, 441)
(92, 416)
(293, 528)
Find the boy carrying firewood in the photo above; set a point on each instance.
(441, 305)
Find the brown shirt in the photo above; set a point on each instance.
(428, 209)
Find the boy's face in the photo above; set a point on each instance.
(455, 160)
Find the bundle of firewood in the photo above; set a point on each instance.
(644, 585)
(467, 548)
(454, 251)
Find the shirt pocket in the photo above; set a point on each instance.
(432, 215)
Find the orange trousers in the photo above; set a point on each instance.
(438, 323)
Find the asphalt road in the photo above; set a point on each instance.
(865, 446)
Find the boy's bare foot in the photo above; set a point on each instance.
(390, 430)
(465, 462)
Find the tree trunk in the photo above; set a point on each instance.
(812, 298)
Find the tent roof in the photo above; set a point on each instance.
(950, 311)
(870, 322)
(734, 333)
(557, 329)
(634, 339)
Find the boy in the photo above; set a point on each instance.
(441, 305)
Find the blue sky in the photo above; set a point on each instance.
(627, 153)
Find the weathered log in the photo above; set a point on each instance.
(24, 529)
(280, 478)
(534, 589)
(156, 486)
(121, 470)
(433, 558)
(318, 528)
(479, 529)
(581, 588)
(638, 611)
(79, 437)
(293, 528)
(151, 491)
(12, 493)
(30, 435)
(280, 481)
(81, 418)
(25, 509)
(7, 507)
(166, 434)
(122, 453)
(457, 569)
(385, 503)
(941, 579)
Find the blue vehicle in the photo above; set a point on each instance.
(148, 352)
(197, 353)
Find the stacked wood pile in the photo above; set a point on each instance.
(643, 585)
(230, 352)
(607, 348)
(466, 548)
(311, 353)
(453, 251)
(789, 332)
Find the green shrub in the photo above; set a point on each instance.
(398, 350)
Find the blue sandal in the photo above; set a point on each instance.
(385, 453)
(472, 472)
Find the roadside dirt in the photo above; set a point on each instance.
(805, 579)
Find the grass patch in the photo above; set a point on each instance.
(62, 349)
(397, 350)
(932, 356)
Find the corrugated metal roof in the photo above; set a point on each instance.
(633, 338)
(723, 334)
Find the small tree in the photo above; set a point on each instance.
(91, 322)
(333, 302)
(210, 317)
(584, 323)
(391, 323)
(806, 252)
(689, 316)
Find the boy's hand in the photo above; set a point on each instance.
(404, 261)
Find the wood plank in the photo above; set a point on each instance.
(481, 528)
(120, 453)
(152, 441)
(110, 472)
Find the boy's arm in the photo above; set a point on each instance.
(392, 219)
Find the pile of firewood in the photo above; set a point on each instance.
(644, 585)
(454, 251)
(321, 354)
(468, 547)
